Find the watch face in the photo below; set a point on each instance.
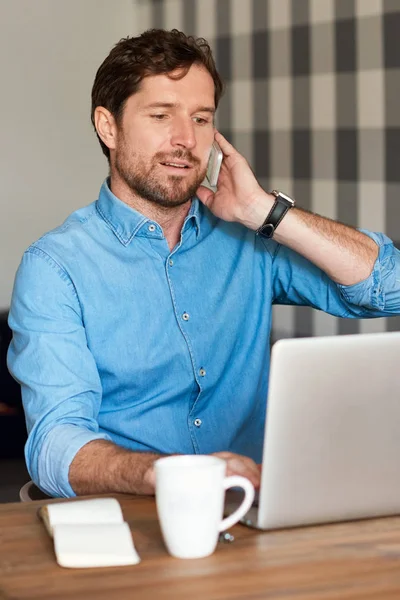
(290, 201)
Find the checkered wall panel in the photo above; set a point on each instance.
(312, 91)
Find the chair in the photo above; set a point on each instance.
(12, 422)
(30, 492)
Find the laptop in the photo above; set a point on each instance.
(332, 436)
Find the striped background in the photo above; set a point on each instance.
(312, 101)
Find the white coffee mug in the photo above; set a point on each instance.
(190, 492)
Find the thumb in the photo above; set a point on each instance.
(205, 195)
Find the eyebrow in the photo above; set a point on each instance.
(209, 109)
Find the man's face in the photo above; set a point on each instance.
(163, 142)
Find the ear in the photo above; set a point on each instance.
(106, 127)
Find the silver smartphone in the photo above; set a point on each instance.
(214, 164)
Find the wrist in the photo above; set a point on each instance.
(282, 205)
(148, 484)
(257, 210)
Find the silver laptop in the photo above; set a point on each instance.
(332, 437)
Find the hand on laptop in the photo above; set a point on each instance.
(236, 464)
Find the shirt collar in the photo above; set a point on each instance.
(126, 222)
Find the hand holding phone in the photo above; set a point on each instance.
(214, 164)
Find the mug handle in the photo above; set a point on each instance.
(247, 486)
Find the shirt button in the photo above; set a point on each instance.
(202, 372)
(197, 422)
(185, 316)
(152, 227)
(170, 262)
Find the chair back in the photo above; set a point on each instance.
(30, 492)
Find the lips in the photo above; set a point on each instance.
(177, 164)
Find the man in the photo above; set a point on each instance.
(141, 325)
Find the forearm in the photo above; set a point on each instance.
(102, 467)
(345, 254)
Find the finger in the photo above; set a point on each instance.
(236, 466)
(224, 454)
(253, 467)
(205, 195)
(254, 479)
(248, 462)
(226, 147)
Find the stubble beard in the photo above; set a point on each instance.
(169, 191)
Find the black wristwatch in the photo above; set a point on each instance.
(282, 205)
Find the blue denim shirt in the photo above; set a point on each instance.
(116, 337)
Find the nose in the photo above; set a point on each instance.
(183, 133)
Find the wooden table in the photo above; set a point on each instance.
(347, 561)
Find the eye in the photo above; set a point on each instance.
(159, 117)
(200, 120)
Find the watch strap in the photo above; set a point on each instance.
(279, 209)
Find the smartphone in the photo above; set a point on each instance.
(214, 164)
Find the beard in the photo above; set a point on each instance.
(167, 191)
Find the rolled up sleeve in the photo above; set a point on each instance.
(298, 281)
(50, 358)
(379, 294)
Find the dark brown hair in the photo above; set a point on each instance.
(154, 52)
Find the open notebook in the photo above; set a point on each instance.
(89, 533)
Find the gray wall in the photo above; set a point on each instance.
(312, 102)
(50, 160)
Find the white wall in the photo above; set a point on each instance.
(50, 160)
